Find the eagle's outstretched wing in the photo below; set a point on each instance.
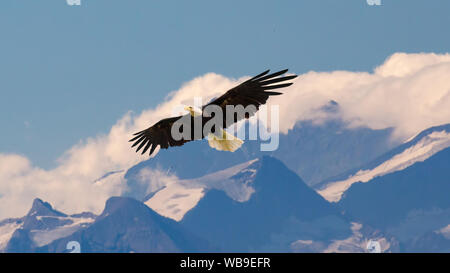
(251, 92)
(158, 134)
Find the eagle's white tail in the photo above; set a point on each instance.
(227, 142)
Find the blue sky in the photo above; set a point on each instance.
(68, 73)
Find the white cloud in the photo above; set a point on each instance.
(410, 92)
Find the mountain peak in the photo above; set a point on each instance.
(239, 183)
(42, 208)
(125, 207)
(127, 225)
(278, 201)
(115, 203)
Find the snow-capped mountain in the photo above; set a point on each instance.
(261, 205)
(418, 149)
(176, 198)
(39, 227)
(127, 225)
(408, 203)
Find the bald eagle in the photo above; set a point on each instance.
(252, 92)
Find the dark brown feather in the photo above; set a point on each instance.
(252, 92)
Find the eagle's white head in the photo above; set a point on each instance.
(194, 111)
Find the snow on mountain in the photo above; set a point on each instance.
(356, 243)
(410, 204)
(46, 236)
(178, 197)
(359, 240)
(40, 226)
(421, 147)
(175, 200)
(7, 229)
(44, 224)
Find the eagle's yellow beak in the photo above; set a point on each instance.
(192, 111)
